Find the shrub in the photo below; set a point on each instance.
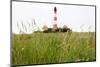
(65, 28)
(45, 28)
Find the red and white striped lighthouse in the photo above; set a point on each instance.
(55, 19)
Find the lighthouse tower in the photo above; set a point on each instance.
(55, 20)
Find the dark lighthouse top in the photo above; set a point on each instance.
(55, 10)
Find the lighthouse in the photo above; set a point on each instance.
(55, 20)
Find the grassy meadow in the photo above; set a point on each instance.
(44, 48)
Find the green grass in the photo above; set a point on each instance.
(42, 48)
